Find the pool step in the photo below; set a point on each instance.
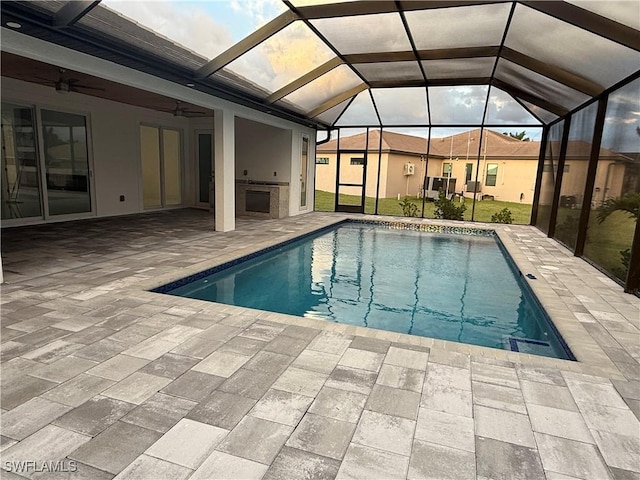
(526, 345)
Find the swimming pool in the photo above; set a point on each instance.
(458, 287)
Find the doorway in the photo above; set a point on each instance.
(45, 164)
(205, 170)
(351, 180)
(160, 152)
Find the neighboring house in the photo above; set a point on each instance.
(507, 166)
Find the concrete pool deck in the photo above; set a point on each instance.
(115, 381)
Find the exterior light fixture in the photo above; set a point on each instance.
(13, 25)
(191, 85)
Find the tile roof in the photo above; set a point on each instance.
(459, 145)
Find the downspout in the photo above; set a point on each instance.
(326, 139)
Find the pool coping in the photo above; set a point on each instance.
(590, 358)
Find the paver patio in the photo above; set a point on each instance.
(120, 382)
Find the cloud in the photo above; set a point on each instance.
(258, 12)
(185, 23)
(283, 58)
(504, 109)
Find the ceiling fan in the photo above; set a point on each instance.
(180, 111)
(66, 85)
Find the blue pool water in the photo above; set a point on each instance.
(461, 288)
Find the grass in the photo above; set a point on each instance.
(520, 212)
(606, 240)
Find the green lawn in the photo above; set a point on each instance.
(520, 212)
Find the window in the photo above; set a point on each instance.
(492, 174)
(322, 160)
(357, 160)
(468, 171)
(446, 169)
(549, 168)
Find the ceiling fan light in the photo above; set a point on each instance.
(62, 87)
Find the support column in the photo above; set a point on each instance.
(225, 178)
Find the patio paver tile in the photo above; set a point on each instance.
(20, 390)
(48, 444)
(496, 396)
(401, 377)
(436, 461)
(339, 404)
(294, 464)
(230, 467)
(147, 467)
(30, 417)
(118, 368)
(569, 457)
(160, 412)
(561, 423)
(364, 462)
(352, 379)
(370, 344)
(393, 401)
(402, 357)
(64, 369)
(385, 432)
(503, 460)
(221, 364)
(116, 447)
(316, 361)
(361, 359)
(137, 387)
(548, 395)
(222, 409)
(256, 439)
(445, 429)
(269, 362)
(494, 374)
(503, 425)
(169, 365)
(620, 451)
(78, 390)
(194, 386)
(281, 407)
(303, 382)
(447, 399)
(94, 416)
(188, 443)
(322, 435)
(248, 383)
(448, 377)
(286, 345)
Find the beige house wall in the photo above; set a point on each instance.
(326, 174)
(397, 183)
(515, 177)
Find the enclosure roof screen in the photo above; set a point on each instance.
(492, 62)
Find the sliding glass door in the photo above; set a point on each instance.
(49, 181)
(161, 167)
(66, 162)
(20, 169)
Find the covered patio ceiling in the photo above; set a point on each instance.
(402, 63)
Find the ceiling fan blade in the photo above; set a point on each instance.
(86, 87)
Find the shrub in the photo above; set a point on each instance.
(409, 209)
(503, 216)
(447, 209)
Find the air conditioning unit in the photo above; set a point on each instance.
(474, 187)
(409, 169)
